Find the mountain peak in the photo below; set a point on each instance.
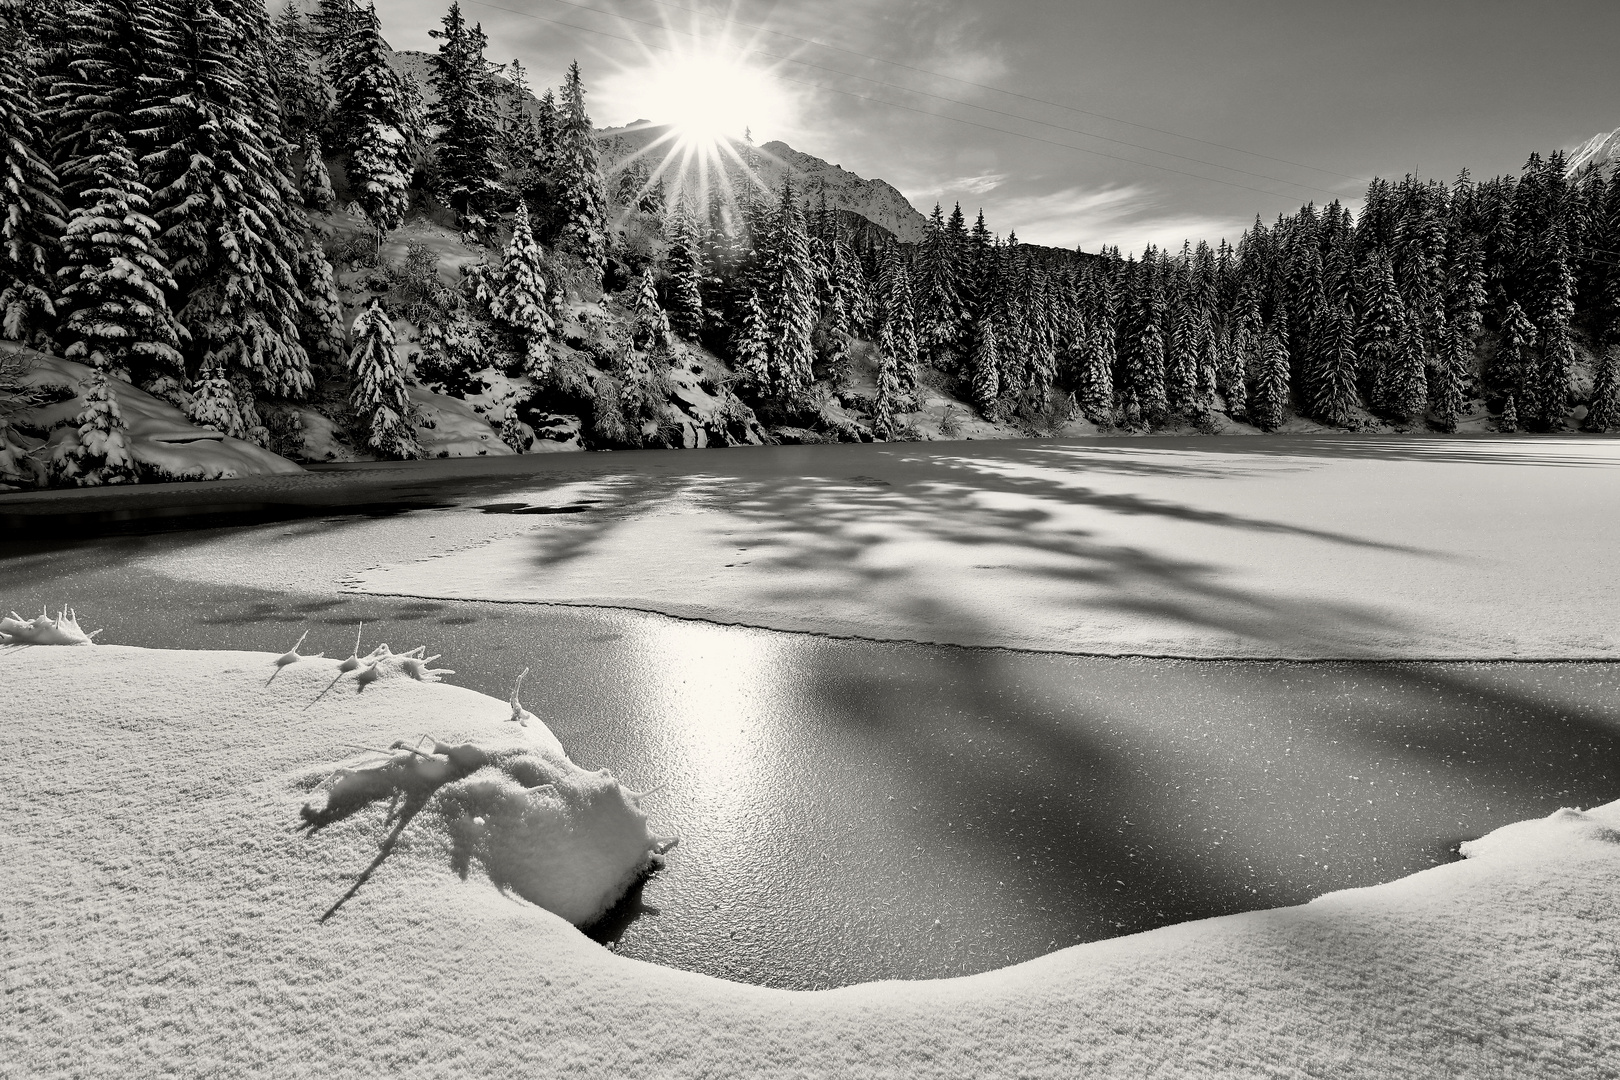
(1601, 151)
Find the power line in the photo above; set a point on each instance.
(937, 97)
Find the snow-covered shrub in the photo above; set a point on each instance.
(379, 393)
(565, 839)
(101, 453)
(44, 630)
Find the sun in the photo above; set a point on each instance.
(698, 94)
(710, 96)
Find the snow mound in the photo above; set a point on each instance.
(165, 444)
(1528, 840)
(563, 838)
(448, 427)
(44, 630)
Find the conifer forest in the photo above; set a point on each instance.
(177, 174)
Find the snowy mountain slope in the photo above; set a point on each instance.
(874, 200)
(1600, 151)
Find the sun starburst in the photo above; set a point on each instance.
(704, 92)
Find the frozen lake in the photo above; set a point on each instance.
(861, 809)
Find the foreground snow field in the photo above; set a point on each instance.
(164, 913)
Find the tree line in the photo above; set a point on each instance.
(160, 158)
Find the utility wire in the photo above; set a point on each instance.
(938, 97)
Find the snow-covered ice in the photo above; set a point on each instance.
(164, 911)
(1283, 547)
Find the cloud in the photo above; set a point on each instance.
(971, 185)
(1130, 215)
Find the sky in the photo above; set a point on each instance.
(1080, 123)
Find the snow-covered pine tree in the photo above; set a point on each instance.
(214, 406)
(986, 369)
(1269, 406)
(751, 346)
(31, 213)
(548, 132)
(1186, 342)
(1240, 351)
(113, 302)
(468, 144)
(891, 400)
(651, 330)
(100, 453)
(320, 325)
(379, 393)
(848, 304)
(94, 85)
(788, 299)
(579, 178)
(1383, 317)
(897, 335)
(1509, 421)
(1553, 302)
(512, 433)
(370, 116)
(520, 300)
(317, 186)
(332, 22)
(1307, 315)
(1401, 390)
(1514, 367)
(684, 267)
(304, 95)
(520, 138)
(1450, 372)
(1144, 360)
(938, 295)
(1041, 333)
(1603, 410)
(1332, 384)
(233, 233)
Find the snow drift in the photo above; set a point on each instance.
(165, 444)
(163, 912)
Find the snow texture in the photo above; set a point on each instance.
(158, 435)
(448, 427)
(164, 916)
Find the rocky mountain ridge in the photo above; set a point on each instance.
(1601, 151)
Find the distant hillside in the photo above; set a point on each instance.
(1603, 151)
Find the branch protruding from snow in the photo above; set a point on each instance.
(44, 630)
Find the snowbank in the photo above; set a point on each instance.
(162, 440)
(164, 912)
(448, 427)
